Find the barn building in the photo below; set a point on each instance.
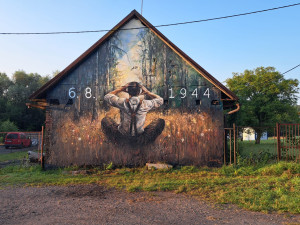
(190, 103)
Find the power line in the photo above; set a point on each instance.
(163, 25)
(291, 69)
(226, 17)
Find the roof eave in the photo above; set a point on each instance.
(40, 93)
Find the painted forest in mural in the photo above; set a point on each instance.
(193, 132)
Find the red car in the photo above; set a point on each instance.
(16, 139)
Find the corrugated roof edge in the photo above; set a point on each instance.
(40, 93)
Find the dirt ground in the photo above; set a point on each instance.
(93, 204)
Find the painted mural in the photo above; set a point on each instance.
(133, 101)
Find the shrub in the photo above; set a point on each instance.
(8, 126)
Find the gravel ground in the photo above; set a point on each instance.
(93, 204)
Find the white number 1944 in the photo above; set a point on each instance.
(183, 93)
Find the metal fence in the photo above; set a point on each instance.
(230, 145)
(288, 141)
(279, 143)
(35, 138)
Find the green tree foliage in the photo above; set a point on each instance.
(5, 82)
(55, 73)
(14, 94)
(8, 126)
(266, 98)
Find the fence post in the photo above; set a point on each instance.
(278, 142)
(230, 146)
(225, 143)
(234, 146)
(42, 148)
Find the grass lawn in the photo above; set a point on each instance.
(13, 156)
(247, 148)
(271, 187)
(265, 151)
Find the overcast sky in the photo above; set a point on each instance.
(221, 47)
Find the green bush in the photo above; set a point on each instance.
(8, 126)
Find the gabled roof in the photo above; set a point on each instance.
(41, 93)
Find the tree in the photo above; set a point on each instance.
(5, 82)
(8, 126)
(55, 73)
(266, 97)
(13, 96)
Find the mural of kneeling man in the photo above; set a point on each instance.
(133, 111)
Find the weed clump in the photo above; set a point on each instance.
(279, 168)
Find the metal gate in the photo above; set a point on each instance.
(288, 141)
(230, 145)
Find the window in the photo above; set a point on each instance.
(12, 136)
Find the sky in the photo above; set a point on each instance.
(221, 47)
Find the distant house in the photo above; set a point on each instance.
(249, 134)
(134, 50)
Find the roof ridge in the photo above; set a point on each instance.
(95, 46)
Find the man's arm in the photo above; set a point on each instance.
(113, 99)
(150, 94)
(155, 102)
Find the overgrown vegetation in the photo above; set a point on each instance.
(271, 187)
(250, 153)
